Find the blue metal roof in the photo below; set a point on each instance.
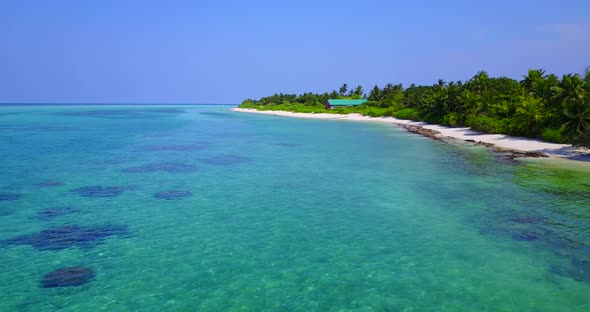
(345, 102)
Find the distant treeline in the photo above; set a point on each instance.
(540, 105)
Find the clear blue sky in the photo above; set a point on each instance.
(117, 51)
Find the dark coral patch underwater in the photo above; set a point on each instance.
(99, 191)
(9, 196)
(527, 236)
(54, 212)
(226, 160)
(578, 270)
(69, 236)
(581, 270)
(527, 219)
(222, 114)
(165, 167)
(50, 183)
(190, 147)
(173, 195)
(66, 277)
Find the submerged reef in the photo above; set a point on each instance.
(526, 236)
(68, 236)
(54, 212)
(66, 277)
(577, 269)
(527, 219)
(173, 195)
(99, 191)
(219, 114)
(165, 167)
(225, 160)
(9, 196)
(190, 147)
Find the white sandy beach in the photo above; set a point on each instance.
(499, 140)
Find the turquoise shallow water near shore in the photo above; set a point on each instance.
(261, 213)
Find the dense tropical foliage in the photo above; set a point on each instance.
(541, 105)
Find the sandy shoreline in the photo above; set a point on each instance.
(498, 140)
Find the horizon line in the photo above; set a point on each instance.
(114, 103)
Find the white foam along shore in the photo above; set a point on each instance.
(498, 140)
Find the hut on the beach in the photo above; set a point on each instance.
(331, 103)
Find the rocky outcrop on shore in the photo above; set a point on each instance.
(503, 153)
(433, 134)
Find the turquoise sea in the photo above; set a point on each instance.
(197, 208)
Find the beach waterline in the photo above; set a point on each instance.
(461, 133)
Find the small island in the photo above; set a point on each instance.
(540, 106)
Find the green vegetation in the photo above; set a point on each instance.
(540, 106)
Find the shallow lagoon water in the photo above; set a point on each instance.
(281, 215)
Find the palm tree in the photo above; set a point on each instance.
(375, 94)
(529, 115)
(587, 80)
(569, 89)
(453, 93)
(532, 79)
(343, 89)
(545, 90)
(504, 109)
(440, 99)
(359, 91)
(469, 100)
(578, 115)
(481, 82)
(480, 85)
